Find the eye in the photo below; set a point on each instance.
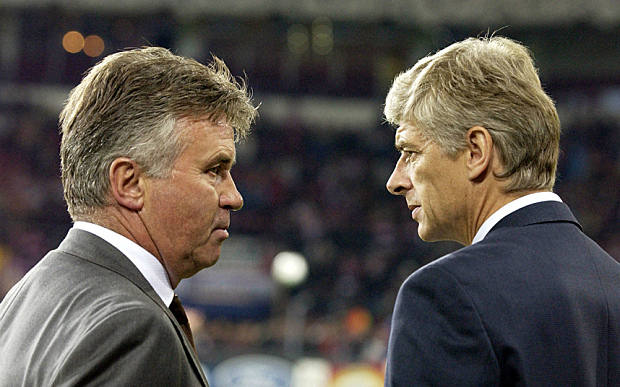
(215, 170)
(407, 155)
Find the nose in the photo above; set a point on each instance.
(230, 198)
(399, 182)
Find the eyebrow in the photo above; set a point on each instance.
(222, 159)
(401, 145)
(226, 160)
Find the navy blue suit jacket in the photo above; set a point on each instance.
(535, 303)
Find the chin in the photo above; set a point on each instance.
(209, 262)
(208, 255)
(429, 235)
(201, 262)
(426, 238)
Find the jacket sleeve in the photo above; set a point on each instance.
(437, 337)
(128, 347)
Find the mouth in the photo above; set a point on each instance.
(221, 230)
(414, 210)
(220, 233)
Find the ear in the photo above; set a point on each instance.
(479, 153)
(127, 183)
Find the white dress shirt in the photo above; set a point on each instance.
(149, 266)
(510, 208)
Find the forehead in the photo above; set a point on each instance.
(205, 139)
(205, 129)
(408, 135)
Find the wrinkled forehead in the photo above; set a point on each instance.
(408, 135)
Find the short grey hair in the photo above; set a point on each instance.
(128, 106)
(489, 82)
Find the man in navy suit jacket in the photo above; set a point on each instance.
(530, 300)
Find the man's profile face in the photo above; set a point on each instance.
(188, 214)
(433, 185)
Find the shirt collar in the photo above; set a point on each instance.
(512, 207)
(149, 266)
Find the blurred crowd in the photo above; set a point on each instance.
(321, 193)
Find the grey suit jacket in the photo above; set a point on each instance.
(536, 303)
(85, 315)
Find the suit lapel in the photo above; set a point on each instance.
(90, 247)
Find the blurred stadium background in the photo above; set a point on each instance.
(313, 172)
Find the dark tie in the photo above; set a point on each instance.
(179, 313)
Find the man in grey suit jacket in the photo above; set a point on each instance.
(148, 143)
(530, 300)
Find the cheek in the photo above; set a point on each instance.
(433, 199)
(184, 204)
(200, 204)
(422, 183)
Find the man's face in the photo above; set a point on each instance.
(188, 214)
(433, 185)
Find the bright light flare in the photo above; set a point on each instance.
(289, 268)
(73, 42)
(93, 46)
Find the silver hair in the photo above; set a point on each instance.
(128, 106)
(489, 82)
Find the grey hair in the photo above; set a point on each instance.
(128, 106)
(489, 82)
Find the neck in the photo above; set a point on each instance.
(129, 224)
(486, 204)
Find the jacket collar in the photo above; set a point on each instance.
(543, 212)
(92, 248)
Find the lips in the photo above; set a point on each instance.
(414, 210)
(220, 233)
(221, 229)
